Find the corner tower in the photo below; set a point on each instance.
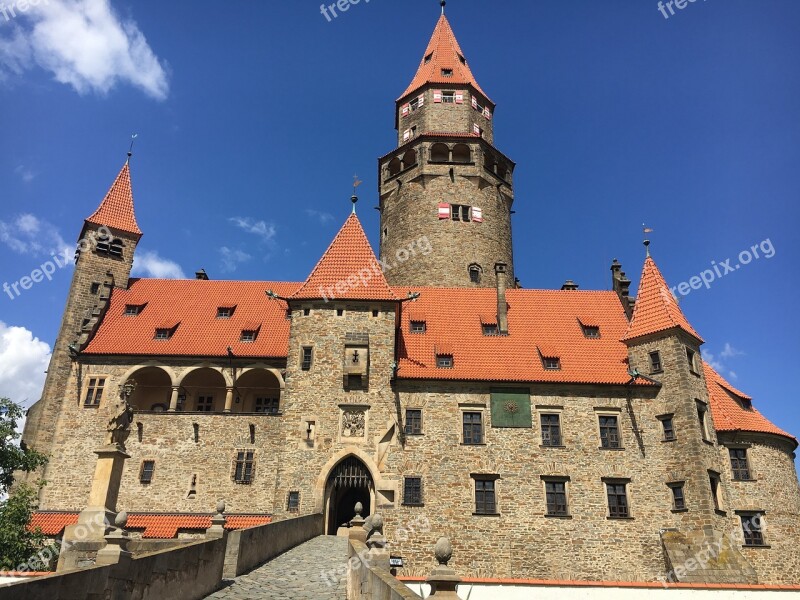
(445, 180)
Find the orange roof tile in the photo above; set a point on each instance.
(445, 53)
(536, 318)
(348, 269)
(156, 526)
(116, 209)
(733, 411)
(193, 303)
(656, 308)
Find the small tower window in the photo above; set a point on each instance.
(668, 425)
(462, 59)
(460, 212)
(395, 166)
(449, 97)
(428, 58)
(655, 362)
(440, 153)
(244, 467)
(447, 72)
(475, 273)
(691, 357)
(116, 248)
(678, 497)
(462, 153)
(308, 356)
(146, 471)
(293, 504)
(103, 242)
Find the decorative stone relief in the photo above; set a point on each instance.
(354, 423)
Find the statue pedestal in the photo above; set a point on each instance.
(82, 541)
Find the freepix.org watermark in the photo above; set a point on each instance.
(663, 6)
(57, 261)
(9, 11)
(342, 5)
(723, 268)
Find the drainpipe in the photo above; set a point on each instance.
(502, 305)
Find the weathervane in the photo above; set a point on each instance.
(130, 149)
(443, 3)
(647, 230)
(356, 182)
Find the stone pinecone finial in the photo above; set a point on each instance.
(443, 551)
(359, 509)
(121, 519)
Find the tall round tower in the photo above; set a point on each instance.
(445, 181)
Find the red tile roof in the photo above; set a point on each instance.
(192, 304)
(656, 308)
(546, 319)
(116, 209)
(348, 264)
(445, 54)
(154, 526)
(733, 411)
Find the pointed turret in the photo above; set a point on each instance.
(656, 308)
(116, 209)
(348, 270)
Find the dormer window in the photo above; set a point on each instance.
(462, 59)
(444, 361)
(165, 333)
(591, 331)
(551, 363)
(248, 335)
(225, 312)
(447, 72)
(428, 58)
(131, 310)
(489, 329)
(417, 327)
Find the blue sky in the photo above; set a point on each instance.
(253, 118)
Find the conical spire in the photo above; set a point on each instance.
(116, 209)
(656, 308)
(348, 270)
(443, 53)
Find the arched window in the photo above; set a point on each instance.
(116, 248)
(395, 166)
(409, 159)
(488, 162)
(440, 153)
(475, 273)
(502, 170)
(103, 242)
(462, 153)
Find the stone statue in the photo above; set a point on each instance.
(119, 426)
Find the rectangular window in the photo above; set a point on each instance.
(417, 327)
(163, 334)
(448, 97)
(412, 491)
(692, 359)
(205, 403)
(551, 430)
(244, 467)
(678, 498)
(487, 329)
(248, 335)
(617, 500)
(609, 432)
(556, 493)
(739, 466)
(413, 421)
(94, 393)
(444, 361)
(655, 362)
(485, 499)
(460, 212)
(269, 406)
(591, 332)
(669, 428)
(308, 354)
(224, 312)
(414, 104)
(131, 310)
(552, 363)
(752, 528)
(293, 502)
(714, 482)
(702, 416)
(447, 73)
(473, 427)
(146, 471)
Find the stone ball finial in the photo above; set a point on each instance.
(368, 524)
(359, 509)
(221, 506)
(443, 551)
(377, 523)
(121, 519)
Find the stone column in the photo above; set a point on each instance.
(173, 400)
(228, 399)
(443, 580)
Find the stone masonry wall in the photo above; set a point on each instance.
(442, 117)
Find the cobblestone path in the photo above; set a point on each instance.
(298, 574)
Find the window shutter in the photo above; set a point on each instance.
(476, 129)
(406, 108)
(474, 103)
(437, 95)
(406, 135)
(459, 97)
(444, 211)
(421, 99)
(477, 214)
(487, 113)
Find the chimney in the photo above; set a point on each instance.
(569, 285)
(201, 275)
(622, 286)
(502, 305)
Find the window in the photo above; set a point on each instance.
(591, 331)
(94, 393)
(752, 528)
(473, 428)
(678, 498)
(609, 432)
(354, 381)
(146, 471)
(413, 421)
(444, 361)
(131, 310)
(414, 104)
(308, 354)
(115, 249)
(428, 58)
(102, 244)
(447, 73)
(244, 467)
(551, 363)
(655, 362)
(269, 406)
(417, 327)
(293, 502)
(248, 335)
(556, 495)
(306, 312)
(375, 313)
(669, 428)
(459, 212)
(551, 430)
(462, 59)
(739, 466)
(205, 403)
(164, 333)
(702, 416)
(412, 491)
(489, 329)
(224, 312)
(692, 359)
(713, 479)
(474, 274)
(339, 312)
(617, 500)
(485, 498)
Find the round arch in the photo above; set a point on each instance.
(153, 388)
(204, 389)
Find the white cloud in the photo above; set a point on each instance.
(23, 362)
(266, 231)
(27, 234)
(231, 259)
(84, 44)
(718, 362)
(322, 217)
(25, 173)
(730, 352)
(148, 263)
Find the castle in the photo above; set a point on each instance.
(552, 433)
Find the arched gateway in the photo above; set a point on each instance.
(349, 482)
